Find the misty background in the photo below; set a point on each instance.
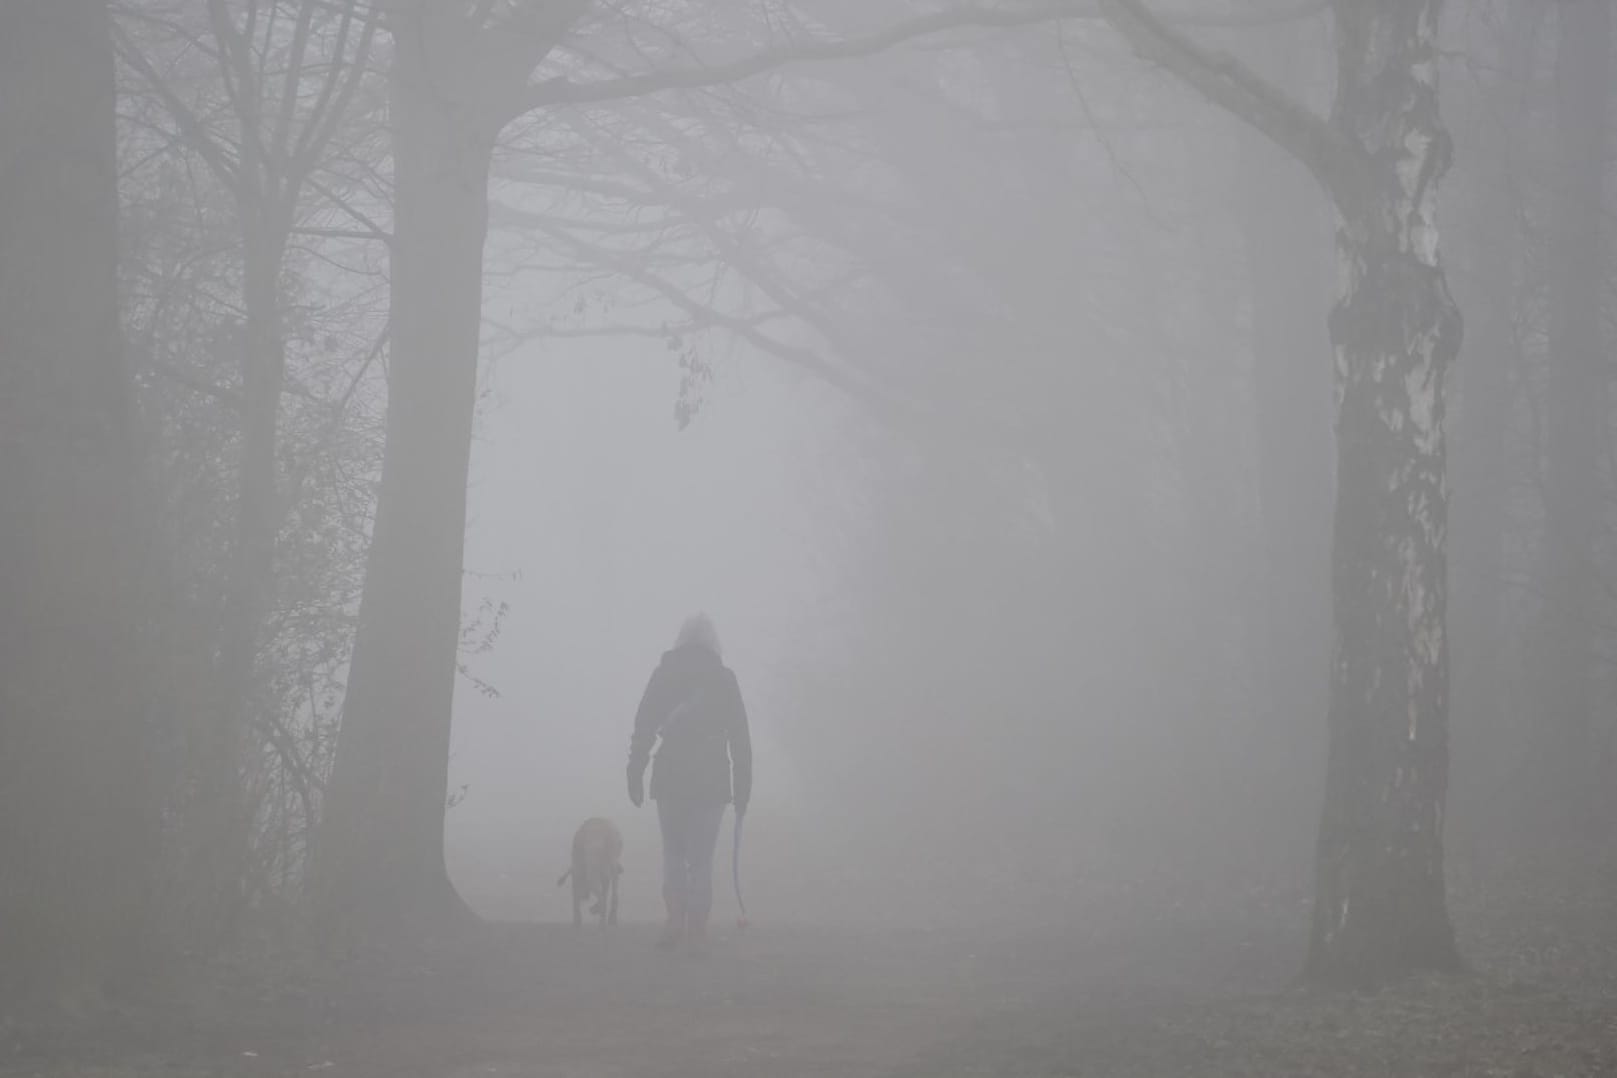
(385, 383)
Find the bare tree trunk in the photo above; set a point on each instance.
(1379, 900)
(224, 839)
(380, 857)
(1577, 409)
(456, 80)
(282, 134)
(77, 824)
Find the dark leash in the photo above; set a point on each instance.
(735, 872)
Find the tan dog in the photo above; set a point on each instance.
(597, 864)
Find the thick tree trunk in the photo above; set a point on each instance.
(1577, 408)
(1379, 891)
(380, 857)
(1379, 902)
(379, 862)
(77, 826)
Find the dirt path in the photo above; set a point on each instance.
(546, 1000)
(554, 1003)
(781, 1002)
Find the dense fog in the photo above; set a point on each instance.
(1149, 467)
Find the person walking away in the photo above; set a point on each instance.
(692, 711)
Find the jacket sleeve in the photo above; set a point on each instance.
(647, 718)
(740, 748)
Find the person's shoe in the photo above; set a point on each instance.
(696, 943)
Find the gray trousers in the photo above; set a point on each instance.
(690, 833)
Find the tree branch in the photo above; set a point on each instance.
(326, 114)
(563, 91)
(1341, 167)
(192, 130)
(223, 394)
(374, 230)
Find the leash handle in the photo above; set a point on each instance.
(735, 872)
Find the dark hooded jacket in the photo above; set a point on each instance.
(693, 705)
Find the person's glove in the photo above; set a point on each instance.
(637, 787)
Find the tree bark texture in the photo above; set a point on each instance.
(1379, 900)
(1379, 892)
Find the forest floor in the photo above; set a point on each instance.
(1150, 998)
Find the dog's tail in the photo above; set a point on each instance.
(564, 876)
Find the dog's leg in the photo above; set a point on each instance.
(612, 910)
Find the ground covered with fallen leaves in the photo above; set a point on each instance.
(1183, 989)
